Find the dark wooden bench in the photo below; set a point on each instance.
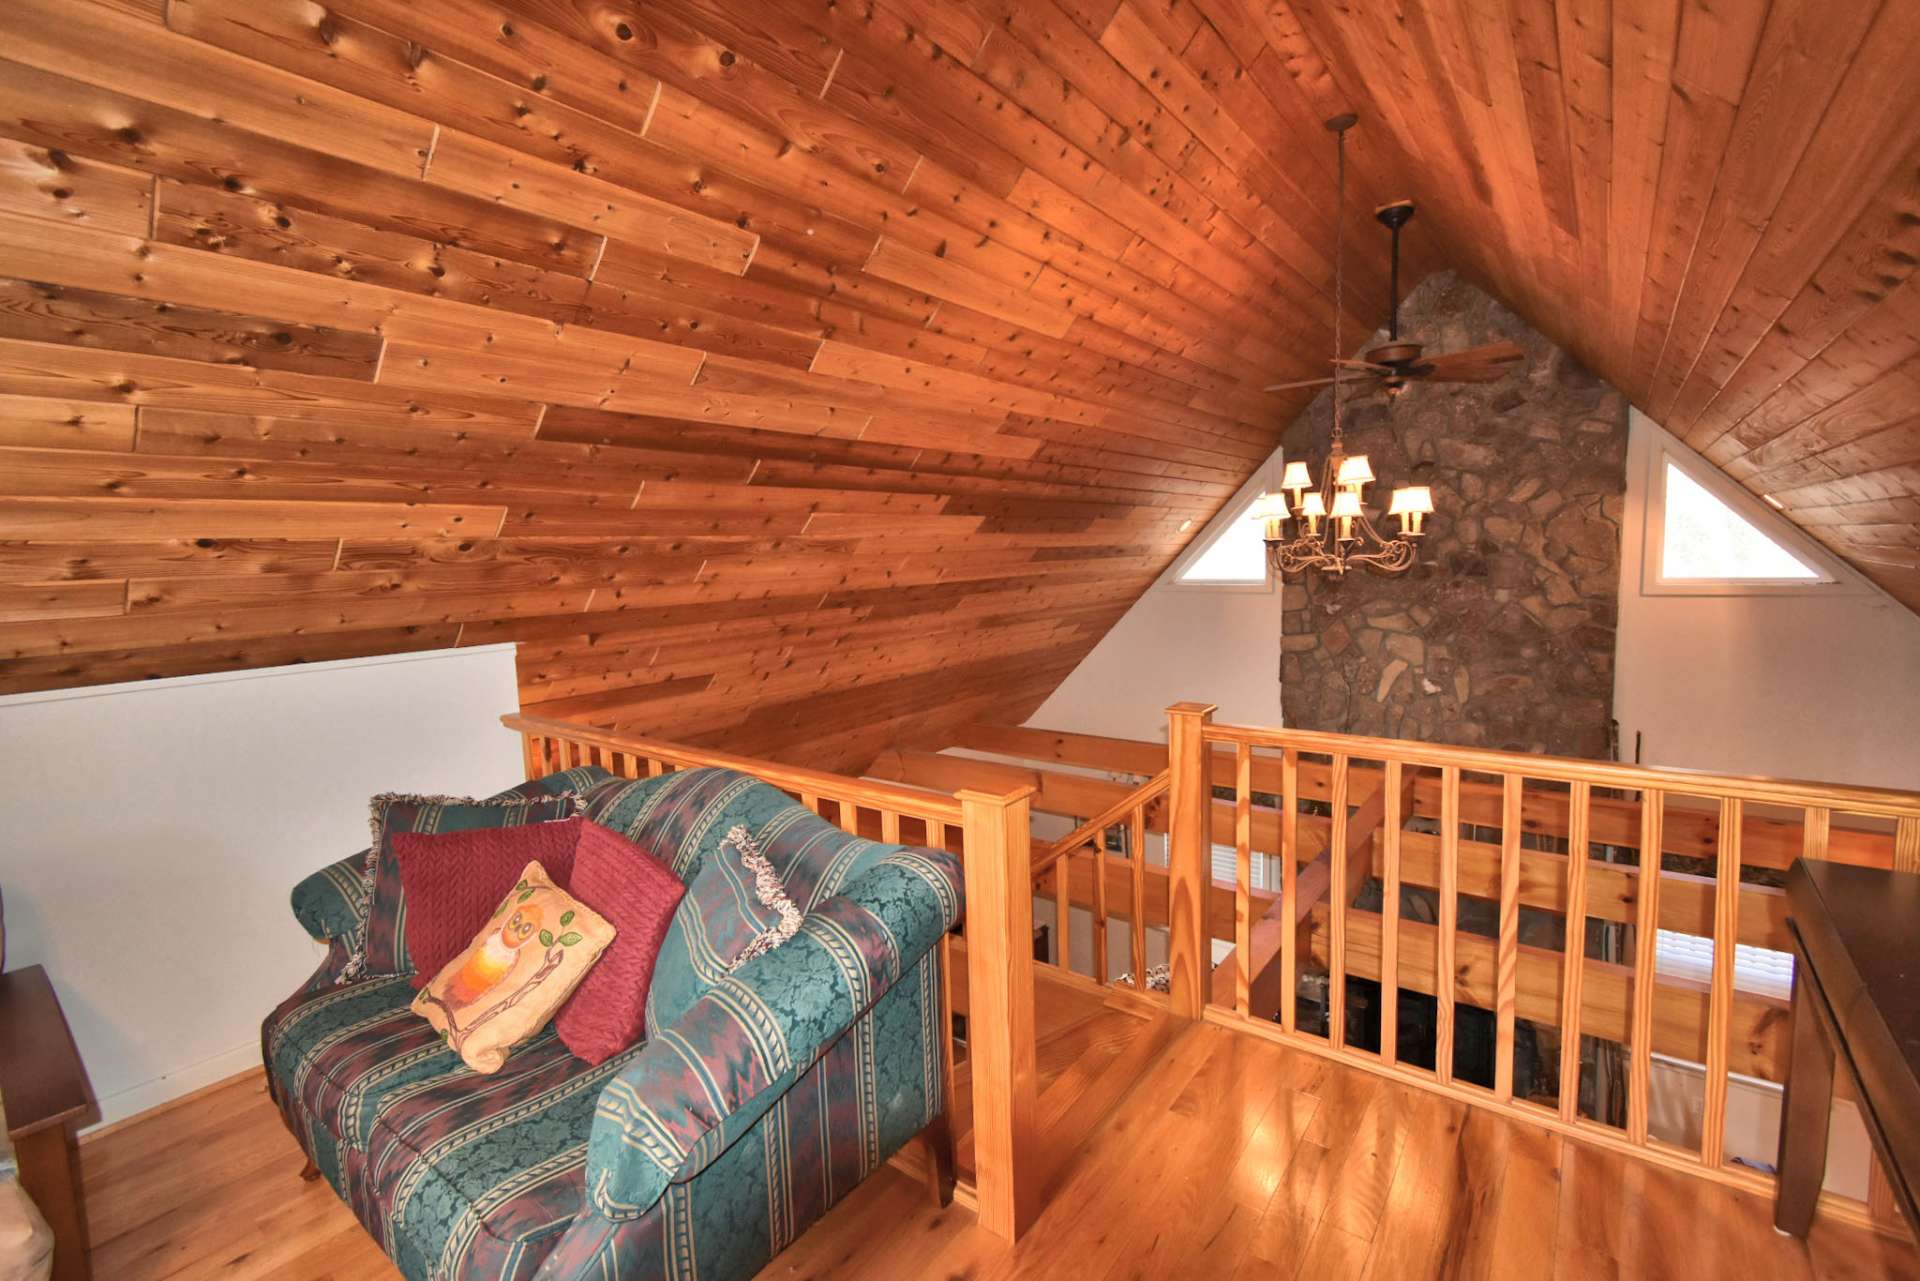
(1856, 1001)
(48, 1098)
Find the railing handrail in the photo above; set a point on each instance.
(1759, 789)
(918, 803)
(1046, 856)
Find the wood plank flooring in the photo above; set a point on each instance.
(1217, 1156)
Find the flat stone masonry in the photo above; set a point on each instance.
(1503, 634)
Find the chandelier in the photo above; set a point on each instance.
(1335, 533)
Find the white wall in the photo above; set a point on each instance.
(1819, 686)
(153, 832)
(1178, 643)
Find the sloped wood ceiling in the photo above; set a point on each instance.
(806, 377)
(1716, 205)
(793, 376)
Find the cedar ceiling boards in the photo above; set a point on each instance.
(1716, 206)
(805, 378)
(793, 377)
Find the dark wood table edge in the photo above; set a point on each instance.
(1805, 1131)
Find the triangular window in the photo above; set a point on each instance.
(1234, 554)
(1703, 539)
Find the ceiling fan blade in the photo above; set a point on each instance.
(1465, 374)
(1500, 353)
(1314, 382)
(1365, 364)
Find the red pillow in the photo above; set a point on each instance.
(452, 881)
(636, 893)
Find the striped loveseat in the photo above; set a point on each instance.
(700, 1153)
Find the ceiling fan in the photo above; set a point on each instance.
(1396, 362)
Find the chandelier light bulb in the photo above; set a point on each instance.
(1313, 504)
(1412, 504)
(1346, 505)
(1354, 471)
(1296, 478)
(1271, 511)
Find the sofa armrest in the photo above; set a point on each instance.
(699, 1084)
(329, 903)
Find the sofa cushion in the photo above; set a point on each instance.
(637, 895)
(444, 1166)
(452, 881)
(383, 941)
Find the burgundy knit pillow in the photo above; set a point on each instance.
(454, 880)
(637, 894)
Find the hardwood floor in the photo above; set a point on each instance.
(1228, 1157)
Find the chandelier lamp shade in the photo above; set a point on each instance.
(1333, 532)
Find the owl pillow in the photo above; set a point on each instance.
(519, 970)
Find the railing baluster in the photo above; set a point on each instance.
(1573, 977)
(1137, 860)
(1906, 845)
(1507, 955)
(1243, 873)
(1816, 828)
(530, 751)
(1645, 944)
(890, 827)
(655, 767)
(1100, 907)
(849, 816)
(1448, 919)
(1337, 907)
(1390, 917)
(1726, 932)
(1289, 886)
(1062, 909)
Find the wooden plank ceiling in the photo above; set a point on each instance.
(1715, 205)
(808, 378)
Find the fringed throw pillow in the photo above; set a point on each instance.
(380, 948)
(736, 909)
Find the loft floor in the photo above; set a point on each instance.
(1182, 1151)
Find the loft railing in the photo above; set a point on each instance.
(1103, 863)
(995, 992)
(1523, 896)
(1541, 886)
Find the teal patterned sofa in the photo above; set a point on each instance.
(698, 1154)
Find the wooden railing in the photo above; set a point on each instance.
(1103, 863)
(994, 989)
(1541, 886)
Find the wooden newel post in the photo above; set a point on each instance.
(1000, 1041)
(1189, 857)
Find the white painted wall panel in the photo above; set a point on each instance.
(150, 834)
